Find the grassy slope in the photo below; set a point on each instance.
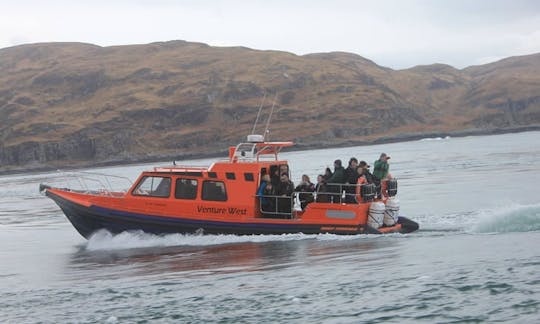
(162, 99)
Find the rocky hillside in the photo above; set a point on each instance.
(71, 104)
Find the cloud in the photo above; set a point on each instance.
(398, 34)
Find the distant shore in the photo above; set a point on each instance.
(32, 168)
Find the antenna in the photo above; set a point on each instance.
(270, 117)
(258, 114)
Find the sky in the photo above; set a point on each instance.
(398, 34)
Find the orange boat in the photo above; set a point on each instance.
(222, 199)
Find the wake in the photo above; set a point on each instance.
(104, 240)
(513, 218)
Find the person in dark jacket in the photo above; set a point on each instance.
(285, 190)
(368, 175)
(327, 173)
(351, 176)
(335, 180)
(339, 173)
(305, 188)
(321, 189)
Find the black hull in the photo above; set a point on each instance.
(88, 220)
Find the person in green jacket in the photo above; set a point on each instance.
(381, 167)
(380, 171)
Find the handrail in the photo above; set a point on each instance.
(334, 196)
(84, 180)
(275, 207)
(185, 168)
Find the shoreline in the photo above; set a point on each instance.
(29, 169)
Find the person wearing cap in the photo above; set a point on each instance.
(380, 172)
(381, 167)
(366, 173)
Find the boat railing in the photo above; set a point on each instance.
(349, 193)
(272, 206)
(91, 183)
(181, 168)
(286, 206)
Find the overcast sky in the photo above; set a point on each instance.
(397, 34)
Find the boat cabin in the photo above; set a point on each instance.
(224, 188)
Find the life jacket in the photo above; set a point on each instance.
(361, 181)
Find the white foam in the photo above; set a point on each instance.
(510, 218)
(435, 138)
(104, 240)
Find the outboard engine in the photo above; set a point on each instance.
(391, 212)
(368, 192)
(391, 187)
(376, 214)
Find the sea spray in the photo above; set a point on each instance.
(512, 218)
(104, 240)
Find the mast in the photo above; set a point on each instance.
(266, 131)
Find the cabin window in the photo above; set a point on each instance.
(230, 175)
(212, 175)
(248, 176)
(153, 187)
(214, 191)
(185, 189)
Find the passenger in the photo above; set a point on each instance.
(367, 174)
(284, 168)
(305, 188)
(339, 173)
(362, 180)
(321, 190)
(305, 185)
(380, 172)
(285, 190)
(335, 182)
(275, 175)
(351, 175)
(327, 173)
(265, 189)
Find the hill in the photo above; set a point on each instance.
(72, 104)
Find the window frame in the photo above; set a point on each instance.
(249, 177)
(186, 198)
(151, 194)
(204, 193)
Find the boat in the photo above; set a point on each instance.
(222, 199)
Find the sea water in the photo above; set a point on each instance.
(476, 257)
